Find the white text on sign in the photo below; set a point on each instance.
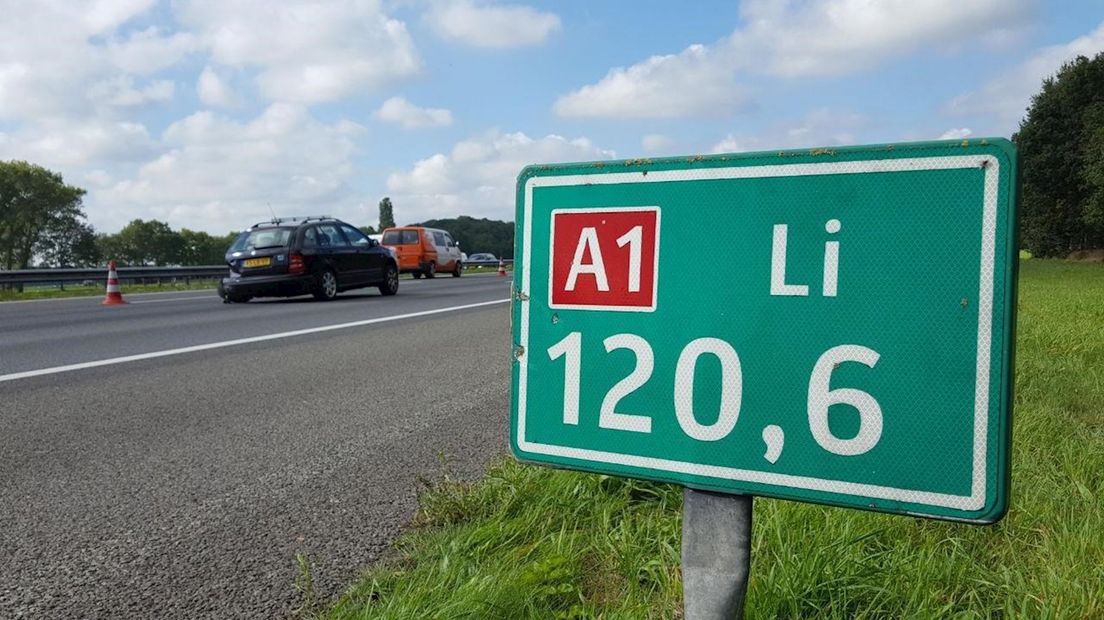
(820, 394)
(779, 287)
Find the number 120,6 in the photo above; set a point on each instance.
(820, 397)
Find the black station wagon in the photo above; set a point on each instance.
(321, 256)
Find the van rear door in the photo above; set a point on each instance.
(407, 245)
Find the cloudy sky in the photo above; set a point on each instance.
(203, 113)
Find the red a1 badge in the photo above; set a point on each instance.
(604, 259)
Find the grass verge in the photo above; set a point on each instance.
(52, 292)
(529, 542)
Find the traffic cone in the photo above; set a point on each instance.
(114, 295)
(501, 268)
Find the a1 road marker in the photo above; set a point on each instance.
(823, 326)
(604, 259)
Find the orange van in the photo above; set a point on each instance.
(424, 251)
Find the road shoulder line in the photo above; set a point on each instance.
(240, 341)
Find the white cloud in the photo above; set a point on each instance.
(696, 81)
(56, 54)
(99, 16)
(1008, 95)
(730, 144)
(492, 26)
(835, 37)
(790, 40)
(479, 176)
(73, 144)
(819, 127)
(654, 143)
(120, 91)
(306, 52)
(150, 50)
(214, 91)
(956, 134)
(65, 60)
(218, 174)
(401, 111)
(98, 178)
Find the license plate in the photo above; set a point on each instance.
(258, 262)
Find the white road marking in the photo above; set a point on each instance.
(231, 343)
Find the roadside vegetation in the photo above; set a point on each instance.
(92, 290)
(487, 268)
(530, 542)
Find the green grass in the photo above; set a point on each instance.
(529, 542)
(52, 292)
(486, 268)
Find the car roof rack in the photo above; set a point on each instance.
(287, 219)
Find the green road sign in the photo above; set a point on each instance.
(831, 326)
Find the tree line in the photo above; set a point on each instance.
(475, 235)
(478, 235)
(1061, 143)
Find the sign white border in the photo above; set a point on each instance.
(655, 265)
(974, 501)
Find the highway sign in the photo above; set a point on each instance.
(832, 326)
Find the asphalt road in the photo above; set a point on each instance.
(184, 485)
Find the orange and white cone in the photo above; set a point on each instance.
(114, 295)
(501, 268)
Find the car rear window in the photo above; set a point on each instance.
(263, 238)
(400, 237)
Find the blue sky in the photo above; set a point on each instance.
(204, 113)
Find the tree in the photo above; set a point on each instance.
(1063, 174)
(144, 243)
(386, 214)
(72, 243)
(155, 243)
(36, 205)
(368, 230)
(1093, 172)
(200, 248)
(479, 235)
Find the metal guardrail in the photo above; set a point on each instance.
(488, 263)
(126, 274)
(135, 274)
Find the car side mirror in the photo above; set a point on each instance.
(372, 242)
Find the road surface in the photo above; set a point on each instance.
(171, 457)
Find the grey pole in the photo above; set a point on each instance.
(716, 554)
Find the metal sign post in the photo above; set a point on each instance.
(716, 554)
(829, 326)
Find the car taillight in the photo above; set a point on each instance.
(295, 264)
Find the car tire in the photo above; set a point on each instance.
(325, 287)
(390, 284)
(431, 270)
(459, 269)
(237, 299)
(417, 275)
